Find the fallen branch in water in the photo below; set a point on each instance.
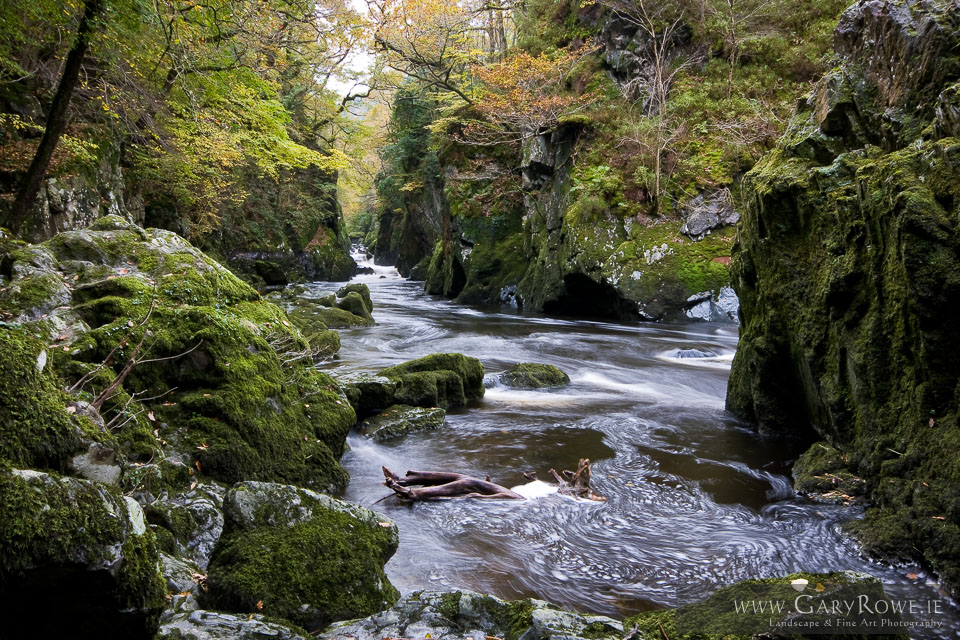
(577, 484)
(433, 485)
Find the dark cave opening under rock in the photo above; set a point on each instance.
(584, 297)
(70, 601)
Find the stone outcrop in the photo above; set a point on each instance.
(529, 375)
(443, 380)
(83, 550)
(848, 272)
(300, 555)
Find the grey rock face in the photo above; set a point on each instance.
(202, 509)
(399, 420)
(722, 306)
(97, 463)
(464, 615)
(211, 625)
(707, 212)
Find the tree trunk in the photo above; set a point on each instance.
(56, 119)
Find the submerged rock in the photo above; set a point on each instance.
(81, 549)
(301, 556)
(440, 380)
(694, 353)
(399, 420)
(464, 615)
(528, 375)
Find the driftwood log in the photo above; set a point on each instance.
(432, 485)
(435, 485)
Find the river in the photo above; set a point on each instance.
(695, 499)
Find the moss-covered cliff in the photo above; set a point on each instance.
(848, 271)
(621, 208)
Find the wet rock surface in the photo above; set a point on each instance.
(399, 420)
(463, 615)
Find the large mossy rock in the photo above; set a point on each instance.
(848, 272)
(79, 556)
(444, 380)
(529, 375)
(299, 555)
(227, 371)
(353, 303)
(359, 288)
(36, 429)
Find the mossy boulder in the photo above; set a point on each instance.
(83, 550)
(440, 380)
(36, 428)
(302, 556)
(353, 303)
(368, 394)
(528, 375)
(358, 288)
(848, 271)
(226, 369)
(399, 420)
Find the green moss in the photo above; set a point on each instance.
(442, 379)
(221, 365)
(358, 288)
(528, 375)
(329, 567)
(354, 303)
(35, 428)
(517, 619)
(493, 264)
(848, 275)
(431, 389)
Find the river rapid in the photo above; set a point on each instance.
(695, 499)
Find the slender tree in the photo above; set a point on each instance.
(56, 119)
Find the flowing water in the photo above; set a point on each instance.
(694, 498)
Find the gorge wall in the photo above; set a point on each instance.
(847, 266)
